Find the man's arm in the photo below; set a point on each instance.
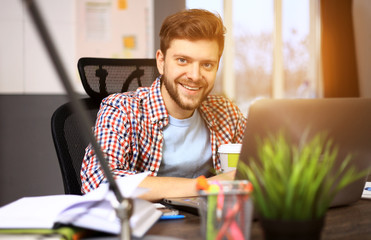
(166, 187)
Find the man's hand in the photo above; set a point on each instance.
(166, 187)
(224, 176)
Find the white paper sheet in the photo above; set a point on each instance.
(93, 211)
(367, 191)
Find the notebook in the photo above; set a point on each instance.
(346, 120)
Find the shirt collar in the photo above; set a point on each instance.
(207, 114)
(158, 112)
(157, 108)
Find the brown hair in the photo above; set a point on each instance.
(192, 24)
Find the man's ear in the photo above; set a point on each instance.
(160, 60)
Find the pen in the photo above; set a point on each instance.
(171, 217)
(368, 188)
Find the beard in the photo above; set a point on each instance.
(184, 102)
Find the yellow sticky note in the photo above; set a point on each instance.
(129, 42)
(122, 4)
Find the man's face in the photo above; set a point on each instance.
(189, 70)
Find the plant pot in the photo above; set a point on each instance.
(292, 229)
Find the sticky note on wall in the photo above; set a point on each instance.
(122, 4)
(129, 42)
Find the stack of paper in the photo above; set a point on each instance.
(93, 211)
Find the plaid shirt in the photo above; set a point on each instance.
(129, 129)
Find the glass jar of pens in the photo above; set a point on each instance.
(225, 209)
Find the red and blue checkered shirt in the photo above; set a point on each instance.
(129, 129)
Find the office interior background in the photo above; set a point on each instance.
(274, 49)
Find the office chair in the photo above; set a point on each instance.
(100, 77)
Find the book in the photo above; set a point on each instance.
(61, 233)
(93, 211)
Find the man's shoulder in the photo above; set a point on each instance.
(217, 101)
(125, 98)
(220, 107)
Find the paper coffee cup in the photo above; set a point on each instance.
(229, 154)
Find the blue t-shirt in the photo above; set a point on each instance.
(187, 148)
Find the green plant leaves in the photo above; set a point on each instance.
(297, 182)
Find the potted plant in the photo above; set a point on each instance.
(295, 185)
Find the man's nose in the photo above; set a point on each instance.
(194, 72)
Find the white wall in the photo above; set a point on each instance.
(11, 46)
(24, 64)
(25, 67)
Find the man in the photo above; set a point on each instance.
(173, 128)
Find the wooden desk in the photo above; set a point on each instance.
(344, 223)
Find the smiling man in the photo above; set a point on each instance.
(172, 129)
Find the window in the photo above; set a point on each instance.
(274, 46)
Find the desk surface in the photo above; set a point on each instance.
(342, 223)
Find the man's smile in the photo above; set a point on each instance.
(189, 87)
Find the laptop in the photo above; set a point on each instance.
(346, 120)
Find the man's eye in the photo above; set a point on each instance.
(208, 65)
(182, 60)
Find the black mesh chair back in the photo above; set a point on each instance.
(100, 77)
